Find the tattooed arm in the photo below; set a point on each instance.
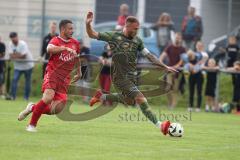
(152, 58)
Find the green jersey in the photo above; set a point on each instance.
(125, 53)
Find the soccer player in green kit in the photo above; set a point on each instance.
(125, 46)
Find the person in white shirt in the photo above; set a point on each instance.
(22, 58)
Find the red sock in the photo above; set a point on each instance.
(38, 110)
(47, 110)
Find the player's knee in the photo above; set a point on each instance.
(130, 101)
(47, 99)
(140, 99)
(58, 107)
(57, 110)
(48, 96)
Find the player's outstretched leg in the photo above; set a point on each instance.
(146, 110)
(100, 97)
(55, 108)
(39, 108)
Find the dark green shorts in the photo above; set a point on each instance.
(127, 88)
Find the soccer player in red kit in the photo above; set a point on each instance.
(63, 52)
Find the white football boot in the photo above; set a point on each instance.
(22, 115)
(31, 128)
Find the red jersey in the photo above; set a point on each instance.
(60, 65)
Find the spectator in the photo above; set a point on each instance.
(173, 54)
(233, 56)
(203, 53)
(195, 78)
(105, 76)
(2, 66)
(232, 51)
(236, 87)
(46, 40)
(165, 31)
(85, 69)
(192, 28)
(22, 57)
(124, 13)
(211, 85)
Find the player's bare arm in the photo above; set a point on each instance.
(155, 61)
(90, 31)
(55, 49)
(58, 49)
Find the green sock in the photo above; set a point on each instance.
(146, 110)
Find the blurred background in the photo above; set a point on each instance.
(30, 18)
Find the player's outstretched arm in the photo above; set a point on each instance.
(90, 31)
(55, 49)
(155, 60)
(58, 49)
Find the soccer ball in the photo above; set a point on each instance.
(175, 130)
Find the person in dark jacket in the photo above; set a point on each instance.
(46, 40)
(2, 65)
(233, 57)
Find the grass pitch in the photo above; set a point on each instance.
(119, 135)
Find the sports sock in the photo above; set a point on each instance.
(47, 110)
(158, 124)
(146, 110)
(38, 110)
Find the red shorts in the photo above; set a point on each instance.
(60, 88)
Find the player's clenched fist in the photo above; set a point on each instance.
(72, 51)
(89, 17)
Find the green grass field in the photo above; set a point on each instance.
(115, 136)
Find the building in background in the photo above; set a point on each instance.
(26, 17)
(215, 14)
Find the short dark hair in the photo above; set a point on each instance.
(63, 23)
(13, 35)
(131, 19)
